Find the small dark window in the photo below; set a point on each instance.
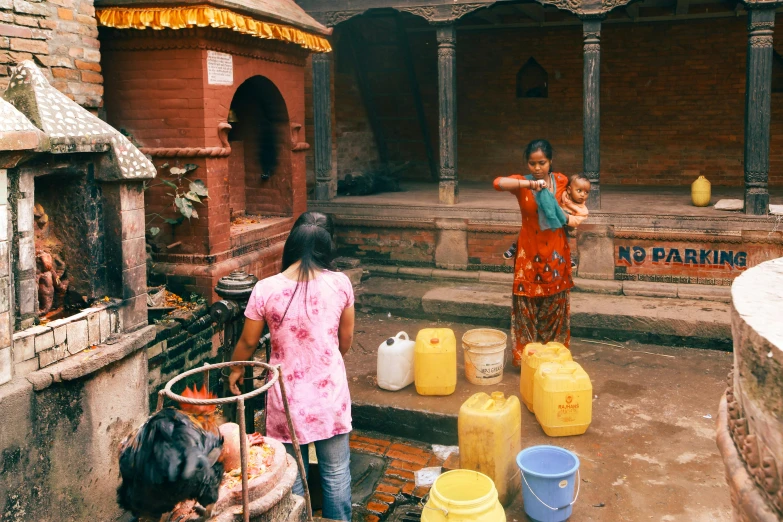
(532, 81)
(777, 72)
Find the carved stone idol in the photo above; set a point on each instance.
(49, 283)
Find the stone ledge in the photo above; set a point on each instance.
(15, 390)
(644, 289)
(679, 322)
(593, 286)
(87, 363)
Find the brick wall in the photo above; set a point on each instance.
(61, 36)
(182, 342)
(403, 246)
(486, 249)
(672, 101)
(356, 149)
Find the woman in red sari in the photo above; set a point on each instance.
(542, 270)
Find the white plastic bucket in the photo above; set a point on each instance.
(485, 355)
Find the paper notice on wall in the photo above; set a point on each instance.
(220, 68)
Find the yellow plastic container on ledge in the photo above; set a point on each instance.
(490, 437)
(563, 399)
(435, 362)
(533, 356)
(701, 192)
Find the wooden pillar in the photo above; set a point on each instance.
(447, 100)
(325, 185)
(591, 122)
(758, 99)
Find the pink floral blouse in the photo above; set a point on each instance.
(305, 342)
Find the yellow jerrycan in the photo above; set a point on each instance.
(533, 356)
(563, 400)
(701, 192)
(490, 437)
(435, 362)
(463, 495)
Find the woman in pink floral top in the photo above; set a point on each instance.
(309, 310)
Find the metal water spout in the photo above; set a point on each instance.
(228, 315)
(237, 286)
(234, 290)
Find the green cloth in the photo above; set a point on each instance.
(550, 215)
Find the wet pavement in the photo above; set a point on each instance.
(649, 453)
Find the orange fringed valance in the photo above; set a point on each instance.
(206, 16)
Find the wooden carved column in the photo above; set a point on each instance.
(592, 104)
(447, 101)
(322, 121)
(758, 87)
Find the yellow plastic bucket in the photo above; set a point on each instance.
(463, 496)
(485, 355)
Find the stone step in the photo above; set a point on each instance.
(593, 286)
(657, 320)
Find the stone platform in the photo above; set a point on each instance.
(644, 234)
(599, 309)
(750, 429)
(649, 453)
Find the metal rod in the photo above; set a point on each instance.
(230, 409)
(243, 459)
(295, 443)
(247, 387)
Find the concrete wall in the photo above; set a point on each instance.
(59, 440)
(672, 101)
(62, 37)
(6, 285)
(63, 423)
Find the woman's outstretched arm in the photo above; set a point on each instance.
(516, 182)
(248, 342)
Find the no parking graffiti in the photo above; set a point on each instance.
(675, 259)
(699, 258)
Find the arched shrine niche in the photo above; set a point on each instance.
(260, 169)
(532, 80)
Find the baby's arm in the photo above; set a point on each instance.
(575, 220)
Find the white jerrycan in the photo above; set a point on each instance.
(395, 362)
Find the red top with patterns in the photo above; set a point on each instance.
(543, 262)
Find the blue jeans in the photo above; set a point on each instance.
(334, 461)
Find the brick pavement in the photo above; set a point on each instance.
(397, 485)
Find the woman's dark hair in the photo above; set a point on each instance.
(539, 145)
(310, 242)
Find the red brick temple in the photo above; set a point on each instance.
(216, 91)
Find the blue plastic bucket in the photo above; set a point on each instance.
(548, 477)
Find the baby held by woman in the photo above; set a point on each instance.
(573, 204)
